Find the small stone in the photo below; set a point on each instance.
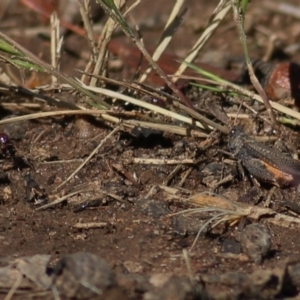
(231, 246)
(153, 208)
(294, 273)
(82, 276)
(255, 240)
(177, 288)
(133, 266)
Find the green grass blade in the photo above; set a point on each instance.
(6, 47)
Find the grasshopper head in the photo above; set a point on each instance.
(236, 135)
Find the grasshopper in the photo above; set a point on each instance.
(262, 162)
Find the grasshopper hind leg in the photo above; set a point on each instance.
(258, 170)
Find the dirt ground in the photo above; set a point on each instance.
(120, 208)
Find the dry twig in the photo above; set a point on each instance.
(90, 156)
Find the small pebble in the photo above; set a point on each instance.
(153, 208)
(75, 274)
(255, 240)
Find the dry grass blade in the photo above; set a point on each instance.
(224, 216)
(56, 44)
(211, 200)
(90, 225)
(239, 12)
(225, 211)
(55, 293)
(27, 55)
(227, 85)
(108, 116)
(90, 156)
(113, 12)
(91, 287)
(52, 114)
(101, 51)
(156, 108)
(173, 22)
(34, 94)
(215, 20)
(132, 7)
(69, 161)
(281, 108)
(14, 287)
(163, 127)
(220, 216)
(62, 199)
(197, 116)
(186, 258)
(153, 161)
(242, 210)
(205, 121)
(84, 12)
(97, 63)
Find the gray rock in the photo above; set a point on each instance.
(82, 276)
(177, 288)
(255, 240)
(153, 208)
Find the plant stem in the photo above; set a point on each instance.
(239, 17)
(115, 14)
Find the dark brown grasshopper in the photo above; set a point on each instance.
(262, 162)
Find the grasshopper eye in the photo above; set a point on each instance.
(235, 130)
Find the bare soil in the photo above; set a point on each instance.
(120, 212)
